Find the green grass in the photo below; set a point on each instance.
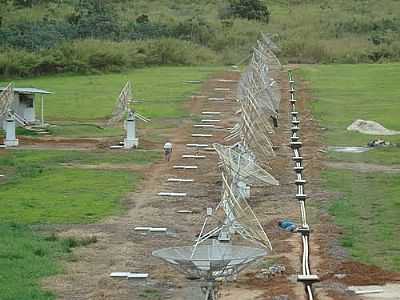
(38, 189)
(345, 93)
(64, 195)
(20, 158)
(369, 207)
(25, 258)
(81, 104)
(92, 97)
(72, 130)
(368, 211)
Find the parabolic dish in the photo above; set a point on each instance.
(210, 260)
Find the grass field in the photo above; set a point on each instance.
(38, 189)
(80, 103)
(92, 97)
(368, 206)
(24, 258)
(368, 211)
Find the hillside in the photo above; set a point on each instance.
(53, 36)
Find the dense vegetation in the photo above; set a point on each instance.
(52, 36)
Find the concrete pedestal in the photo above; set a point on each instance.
(131, 141)
(10, 140)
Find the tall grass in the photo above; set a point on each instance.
(187, 32)
(95, 56)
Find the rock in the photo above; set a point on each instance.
(370, 127)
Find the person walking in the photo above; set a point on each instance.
(167, 150)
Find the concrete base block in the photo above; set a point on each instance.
(11, 143)
(129, 144)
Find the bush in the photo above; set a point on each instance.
(17, 63)
(169, 51)
(95, 56)
(35, 36)
(248, 9)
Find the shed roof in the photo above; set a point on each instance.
(28, 91)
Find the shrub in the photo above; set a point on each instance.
(248, 9)
(35, 36)
(94, 56)
(169, 51)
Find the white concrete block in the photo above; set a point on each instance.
(119, 274)
(158, 229)
(168, 194)
(204, 126)
(138, 275)
(210, 113)
(216, 99)
(179, 180)
(186, 167)
(210, 120)
(197, 145)
(194, 156)
(227, 80)
(201, 135)
(141, 228)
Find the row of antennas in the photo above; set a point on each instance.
(243, 164)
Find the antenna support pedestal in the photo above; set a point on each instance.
(10, 140)
(131, 141)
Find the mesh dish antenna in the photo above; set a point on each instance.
(253, 129)
(6, 99)
(122, 106)
(240, 165)
(240, 218)
(259, 98)
(270, 44)
(210, 262)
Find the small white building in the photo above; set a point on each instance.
(24, 108)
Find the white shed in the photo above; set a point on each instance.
(23, 105)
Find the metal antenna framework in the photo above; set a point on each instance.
(6, 99)
(239, 165)
(259, 98)
(122, 106)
